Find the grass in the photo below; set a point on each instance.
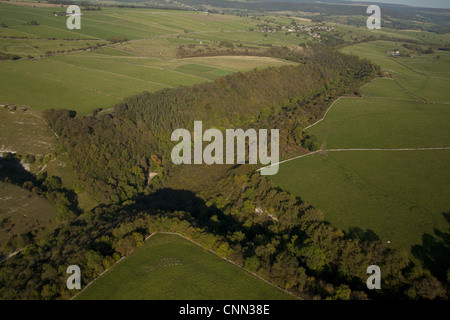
(25, 132)
(400, 195)
(38, 47)
(386, 88)
(383, 123)
(235, 64)
(44, 91)
(426, 77)
(169, 267)
(133, 23)
(24, 211)
(76, 79)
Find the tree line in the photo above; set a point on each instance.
(112, 153)
(240, 217)
(230, 210)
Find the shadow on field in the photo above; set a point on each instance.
(209, 217)
(363, 236)
(12, 171)
(435, 251)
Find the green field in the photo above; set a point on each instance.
(384, 122)
(81, 70)
(426, 77)
(133, 23)
(169, 267)
(399, 194)
(52, 75)
(87, 81)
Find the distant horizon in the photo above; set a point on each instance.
(438, 4)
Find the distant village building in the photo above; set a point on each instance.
(395, 53)
(299, 28)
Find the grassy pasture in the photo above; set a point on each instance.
(42, 91)
(169, 267)
(25, 132)
(99, 78)
(426, 76)
(375, 52)
(239, 63)
(252, 38)
(133, 23)
(38, 47)
(85, 81)
(384, 123)
(386, 88)
(24, 211)
(400, 195)
(354, 32)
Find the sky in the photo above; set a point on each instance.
(415, 3)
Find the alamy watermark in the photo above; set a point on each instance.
(374, 21)
(74, 19)
(213, 153)
(74, 281)
(374, 281)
